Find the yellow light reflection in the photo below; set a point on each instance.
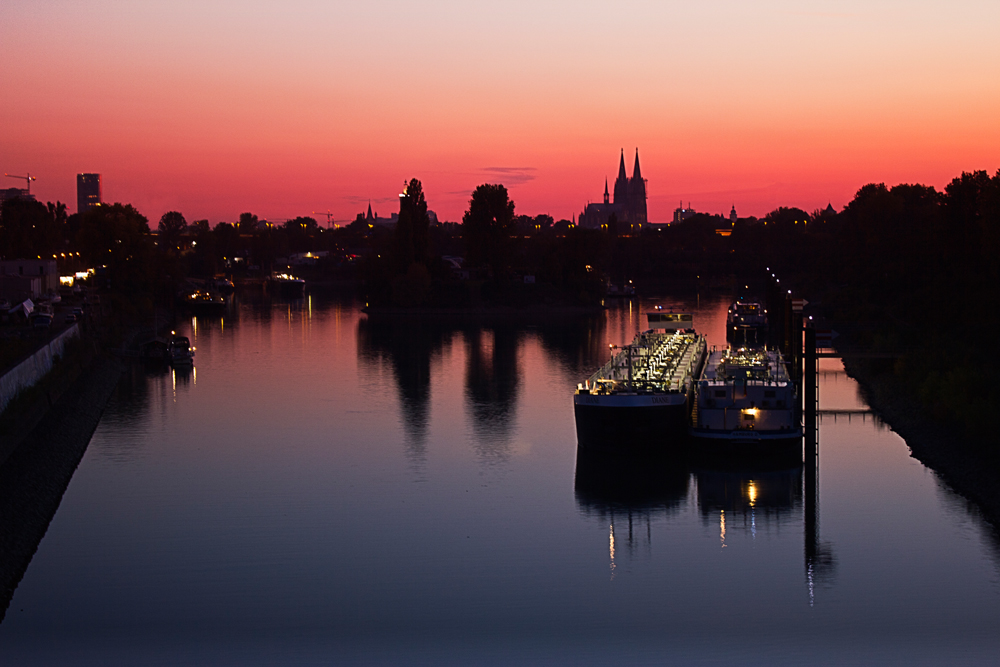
(611, 548)
(194, 325)
(722, 528)
(194, 374)
(752, 493)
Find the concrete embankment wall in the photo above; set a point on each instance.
(35, 367)
(35, 476)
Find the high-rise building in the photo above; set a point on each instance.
(629, 204)
(88, 191)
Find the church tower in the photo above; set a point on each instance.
(636, 193)
(621, 186)
(605, 190)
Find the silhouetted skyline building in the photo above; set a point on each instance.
(16, 193)
(628, 205)
(88, 191)
(373, 219)
(681, 214)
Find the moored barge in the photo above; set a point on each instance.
(639, 402)
(746, 406)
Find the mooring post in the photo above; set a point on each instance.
(775, 310)
(810, 392)
(797, 347)
(810, 395)
(787, 328)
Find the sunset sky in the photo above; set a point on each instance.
(282, 109)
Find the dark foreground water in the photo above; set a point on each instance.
(325, 490)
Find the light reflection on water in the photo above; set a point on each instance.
(333, 488)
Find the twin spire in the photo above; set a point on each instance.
(636, 173)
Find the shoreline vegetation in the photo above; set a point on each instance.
(970, 471)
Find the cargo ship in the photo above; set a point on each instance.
(745, 404)
(746, 324)
(639, 402)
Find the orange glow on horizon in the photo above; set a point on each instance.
(284, 111)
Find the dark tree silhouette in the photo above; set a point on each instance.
(300, 232)
(247, 224)
(411, 235)
(117, 236)
(486, 228)
(172, 225)
(29, 229)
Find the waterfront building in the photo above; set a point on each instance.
(88, 191)
(628, 205)
(28, 278)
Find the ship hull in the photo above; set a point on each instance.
(642, 425)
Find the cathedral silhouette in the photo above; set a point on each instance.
(628, 206)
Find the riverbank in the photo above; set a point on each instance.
(40, 466)
(969, 469)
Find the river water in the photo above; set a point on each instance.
(324, 489)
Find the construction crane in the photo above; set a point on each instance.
(27, 179)
(329, 217)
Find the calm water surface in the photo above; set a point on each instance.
(325, 489)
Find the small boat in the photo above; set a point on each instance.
(180, 352)
(288, 285)
(203, 301)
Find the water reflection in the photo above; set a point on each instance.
(493, 369)
(143, 394)
(746, 501)
(606, 484)
(579, 345)
(408, 350)
(628, 494)
(750, 500)
(492, 379)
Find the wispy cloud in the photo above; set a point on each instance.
(510, 175)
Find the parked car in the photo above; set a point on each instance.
(41, 322)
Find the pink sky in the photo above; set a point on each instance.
(288, 108)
